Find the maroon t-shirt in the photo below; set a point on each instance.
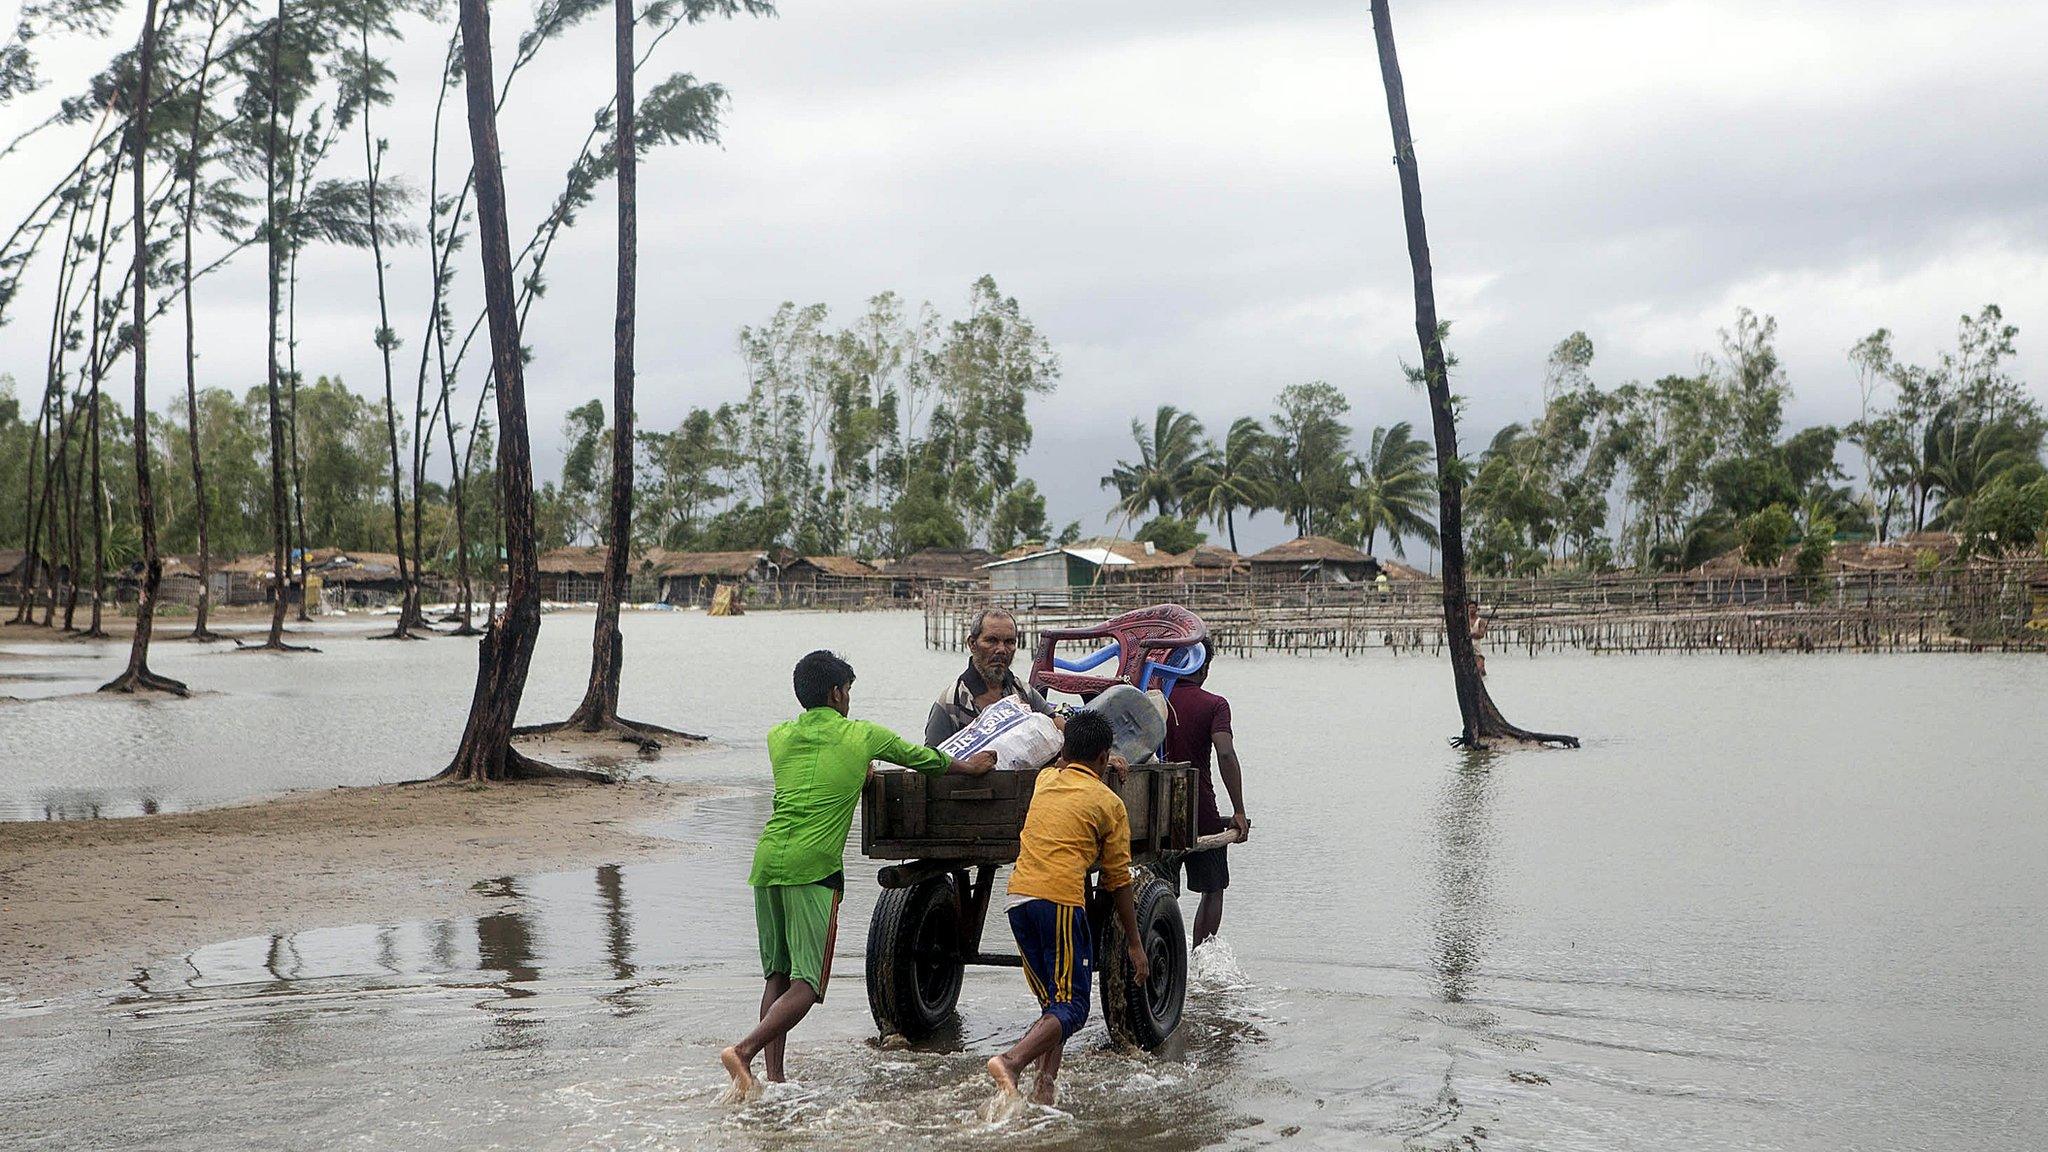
(1193, 717)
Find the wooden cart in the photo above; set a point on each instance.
(952, 833)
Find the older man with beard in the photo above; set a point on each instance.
(991, 648)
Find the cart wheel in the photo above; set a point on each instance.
(914, 963)
(1146, 1014)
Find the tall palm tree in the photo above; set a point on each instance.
(1231, 481)
(1169, 457)
(1396, 486)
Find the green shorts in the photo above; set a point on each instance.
(797, 924)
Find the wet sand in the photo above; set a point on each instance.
(85, 904)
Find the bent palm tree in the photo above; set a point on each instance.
(1231, 481)
(1394, 489)
(1169, 457)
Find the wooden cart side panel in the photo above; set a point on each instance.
(906, 816)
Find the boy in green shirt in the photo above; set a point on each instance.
(820, 761)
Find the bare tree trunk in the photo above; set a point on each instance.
(138, 677)
(99, 518)
(291, 375)
(273, 271)
(31, 509)
(599, 711)
(200, 632)
(74, 488)
(506, 651)
(1483, 723)
(373, 162)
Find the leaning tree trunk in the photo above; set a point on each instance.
(599, 711)
(386, 341)
(74, 488)
(30, 509)
(1483, 722)
(506, 650)
(200, 631)
(138, 677)
(273, 271)
(99, 517)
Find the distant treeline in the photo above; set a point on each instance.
(905, 429)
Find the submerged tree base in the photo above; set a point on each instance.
(511, 765)
(143, 680)
(646, 737)
(274, 646)
(205, 636)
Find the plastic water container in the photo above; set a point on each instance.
(1138, 719)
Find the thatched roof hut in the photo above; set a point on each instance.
(810, 569)
(962, 565)
(1313, 560)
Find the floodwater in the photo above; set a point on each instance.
(1781, 902)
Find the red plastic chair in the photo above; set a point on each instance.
(1142, 643)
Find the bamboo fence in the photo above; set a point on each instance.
(1997, 606)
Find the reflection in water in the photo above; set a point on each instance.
(504, 943)
(1463, 874)
(618, 927)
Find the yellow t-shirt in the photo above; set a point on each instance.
(1076, 823)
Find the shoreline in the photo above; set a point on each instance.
(86, 905)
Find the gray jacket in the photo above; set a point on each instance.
(954, 709)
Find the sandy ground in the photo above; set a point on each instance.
(175, 625)
(85, 904)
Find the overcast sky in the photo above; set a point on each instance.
(1194, 199)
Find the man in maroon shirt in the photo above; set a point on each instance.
(1197, 723)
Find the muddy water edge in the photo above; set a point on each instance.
(1775, 902)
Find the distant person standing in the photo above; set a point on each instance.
(1475, 624)
(1197, 725)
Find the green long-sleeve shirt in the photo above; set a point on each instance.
(820, 760)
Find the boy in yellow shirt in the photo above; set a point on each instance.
(1077, 822)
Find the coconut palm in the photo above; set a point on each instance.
(1169, 457)
(1231, 481)
(1396, 486)
(1965, 453)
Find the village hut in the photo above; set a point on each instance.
(686, 578)
(244, 580)
(823, 570)
(811, 580)
(1211, 564)
(1313, 560)
(573, 575)
(1397, 572)
(180, 584)
(13, 562)
(356, 579)
(932, 568)
(1050, 575)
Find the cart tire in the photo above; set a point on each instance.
(914, 963)
(1145, 1014)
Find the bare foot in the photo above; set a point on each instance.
(744, 1087)
(1045, 1091)
(1006, 1081)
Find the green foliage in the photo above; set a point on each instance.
(1171, 534)
(1019, 517)
(1395, 492)
(1309, 466)
(1766, 534)
(1812, 557)
(1174, 459)
(2009, 516)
